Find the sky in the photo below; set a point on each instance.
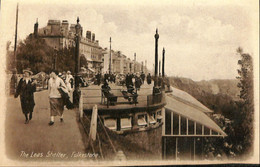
(200, 37)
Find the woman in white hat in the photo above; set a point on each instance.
(56, 101)
(26, 88)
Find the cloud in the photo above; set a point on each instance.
(200, 43)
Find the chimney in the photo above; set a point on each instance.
(93, 37)
(88, 35)
(36, 28)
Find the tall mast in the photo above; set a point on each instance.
(163, 59)
(142, 67)
(159, 67)
(135, 63)
(145, 66)
(156, 36)
(76, 93)
(110, 57)
(15, 39)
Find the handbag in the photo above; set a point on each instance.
(66, 98)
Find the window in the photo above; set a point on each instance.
(175, 124)
(191, 127)
(167, 122)
(198, 129)
(159, 115)
(142, 120)
(206, 131)
(214, 132)
(154, 115)
(183, 126)
(151, 119)
(126, 123)
(110, 123)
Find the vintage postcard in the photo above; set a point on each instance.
(121, 83)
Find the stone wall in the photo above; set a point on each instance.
(150, 140)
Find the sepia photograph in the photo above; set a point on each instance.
(129, 83)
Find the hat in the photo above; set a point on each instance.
(68, 72)
(28, 70)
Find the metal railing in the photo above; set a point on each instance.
(131, 99)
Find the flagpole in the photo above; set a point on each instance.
(15, 39)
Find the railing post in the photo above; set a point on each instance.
(93, 123)
(163, 120)
(107, 102)
(101, 96)
(81, 106)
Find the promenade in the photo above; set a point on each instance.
(37, 140)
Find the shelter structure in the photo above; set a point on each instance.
(186, 127)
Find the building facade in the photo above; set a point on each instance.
(58, 34)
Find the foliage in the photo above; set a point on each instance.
(239, 111)
(83, 62)
(222, 103)
(65, 60)
(247, 96)
(35, 54)
(9, 57)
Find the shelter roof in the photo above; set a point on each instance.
(182, 108)
(188, 99)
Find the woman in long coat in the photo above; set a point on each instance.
(26, 88)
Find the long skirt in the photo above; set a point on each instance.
(57, 106)
(27, 104)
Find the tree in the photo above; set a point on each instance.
(65, 59)
(37, 55)
(34, 53)
(83, 61)
(9, 57)
(245, 77)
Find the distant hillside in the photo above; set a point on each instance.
(223, 86)
(216, 86)
(217, 95)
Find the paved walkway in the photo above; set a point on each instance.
(37, 140)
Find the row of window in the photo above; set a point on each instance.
(178, 125)
(126, 123)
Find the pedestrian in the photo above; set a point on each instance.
(26, 88)
(138, 82)
(13, 83)
(111, 98)
(149, 79)
(69, 81)
(63, 77)
(106, 77)
(56, 101)
(143, 77)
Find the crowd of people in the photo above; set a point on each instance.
(61, 86)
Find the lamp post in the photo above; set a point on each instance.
(76, 93)
(163, 59)
(55, 58)
(110, 57)
(135, 63)
(163, 63)
(156, 36)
